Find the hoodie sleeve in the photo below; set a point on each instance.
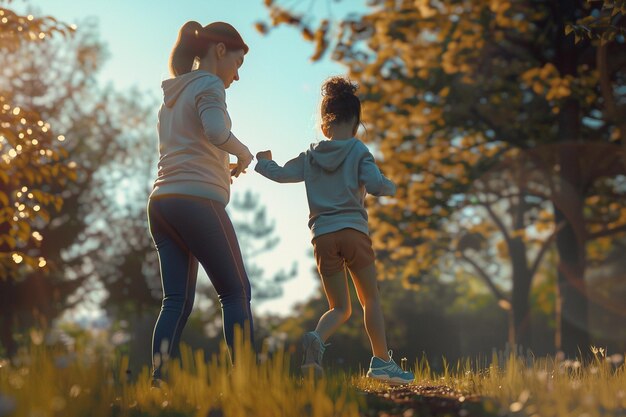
(293, 171)
(211, 106)
(374, 181)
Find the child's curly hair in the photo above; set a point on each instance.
(339, 102)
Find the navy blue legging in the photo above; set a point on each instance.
(186, 230)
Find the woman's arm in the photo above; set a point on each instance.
(293, 171)
(211, 107)
(212, 111)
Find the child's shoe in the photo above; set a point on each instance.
(312, 351)
(388, 372)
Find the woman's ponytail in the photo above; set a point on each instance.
(189, 45)
(194, 42)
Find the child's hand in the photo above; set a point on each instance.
(264, 155)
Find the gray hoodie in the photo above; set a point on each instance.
(193, 124)
(337, 175)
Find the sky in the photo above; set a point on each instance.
(274, 105)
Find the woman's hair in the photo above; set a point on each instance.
(194, 41)
(339, 102)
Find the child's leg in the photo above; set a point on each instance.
(366, 286)
(339, 308)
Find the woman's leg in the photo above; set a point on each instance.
(209, 234)
(178, 277)
(223, 262)
(366, 286)
(339, 307)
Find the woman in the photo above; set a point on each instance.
(186, 209)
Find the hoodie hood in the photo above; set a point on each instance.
(173, 87)
(330, 154)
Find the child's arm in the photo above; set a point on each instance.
(293, 171)
(375, 182)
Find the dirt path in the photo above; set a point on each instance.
(422, 400)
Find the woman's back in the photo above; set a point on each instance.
(189, 163)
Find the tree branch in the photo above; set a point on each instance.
(544, 248)
(498, 222)
(606, 232)
(481, 272)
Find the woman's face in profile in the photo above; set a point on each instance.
(228, 66)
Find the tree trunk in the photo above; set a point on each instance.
(521, 292)
(522, 278)
(6, 312)
(574, 331)
(569, 207)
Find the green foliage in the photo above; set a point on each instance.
(32, 158)
(604, 23)
(454, 94)
(98, 237)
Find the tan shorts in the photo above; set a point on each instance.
(345, 247)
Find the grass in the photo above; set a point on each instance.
(52, 381)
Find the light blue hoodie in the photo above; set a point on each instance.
(337, 175)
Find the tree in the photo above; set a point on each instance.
(31, 157)
(34, 164)
(449, 88)
(106, 140)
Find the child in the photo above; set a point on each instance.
(337, 174)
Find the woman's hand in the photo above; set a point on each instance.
(264, 155)
(243, 160)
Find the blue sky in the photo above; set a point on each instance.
(273, 106)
